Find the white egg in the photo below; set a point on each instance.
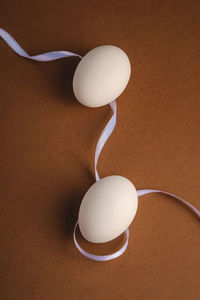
(101, 76)
(107, 209)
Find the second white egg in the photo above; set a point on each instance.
(107, 209)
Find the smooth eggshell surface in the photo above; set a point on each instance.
(101, 76)
(107, 209)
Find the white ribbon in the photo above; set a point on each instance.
(190, 206)
(105, 136)
(49, 56)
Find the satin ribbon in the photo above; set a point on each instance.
(48, 56)
(53, 55)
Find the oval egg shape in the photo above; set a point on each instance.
(107, 209)
(101, 76)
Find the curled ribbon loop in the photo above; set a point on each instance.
(101, 257)
(49, 56)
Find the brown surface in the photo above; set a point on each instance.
(48, 142)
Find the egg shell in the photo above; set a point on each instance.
(107, 209)
(101, 76)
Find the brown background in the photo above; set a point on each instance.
(48, 141)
